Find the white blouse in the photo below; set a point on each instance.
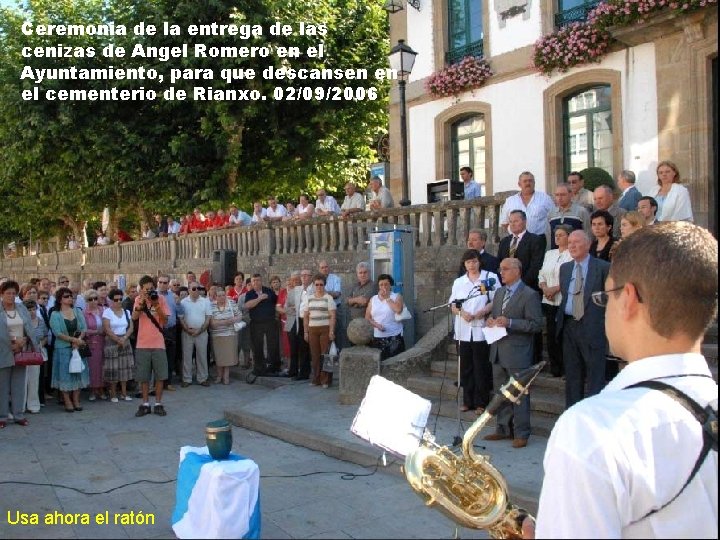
(480, 291)
(384, 315)
(550, 272)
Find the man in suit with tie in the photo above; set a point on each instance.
(523, 245)
(580, 321)
(630, 194)
(516, 307)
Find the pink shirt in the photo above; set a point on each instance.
(149, 337)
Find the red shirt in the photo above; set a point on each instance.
(197, 224)
(234, 295)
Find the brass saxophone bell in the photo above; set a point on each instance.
(466, 487)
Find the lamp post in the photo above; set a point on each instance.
(402, 58)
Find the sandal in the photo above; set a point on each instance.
(24, 422)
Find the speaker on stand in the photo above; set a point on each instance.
(224, 266)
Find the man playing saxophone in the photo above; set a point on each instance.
(633, 461)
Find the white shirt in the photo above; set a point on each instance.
(102, 240)
(537, 210)
(257, 219)
(550, 272)
(195, 312)
(382, 314)
(354, 201)
(464, 288)
(278, 211)
(118, 325)
(330, 205)
(173, 228)
(676, 206)
(613, 457)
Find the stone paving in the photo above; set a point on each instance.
(105, 446)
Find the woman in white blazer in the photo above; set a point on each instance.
(673, 198)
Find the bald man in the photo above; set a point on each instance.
(580, 321)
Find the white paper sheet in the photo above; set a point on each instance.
(495, 333)
(391, 417)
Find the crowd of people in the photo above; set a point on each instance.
(557, 253)
(160, 333)
(376, 197)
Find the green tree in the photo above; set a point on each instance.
(63, 161)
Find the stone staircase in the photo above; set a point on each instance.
(548, 392)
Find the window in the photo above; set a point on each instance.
(465, 30)
(468, 149)
(587, 130)
(570, 11)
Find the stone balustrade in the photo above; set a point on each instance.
(434, 226)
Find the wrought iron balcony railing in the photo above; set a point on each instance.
(575, 14)
(453, 56)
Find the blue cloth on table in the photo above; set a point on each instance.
(216, 499)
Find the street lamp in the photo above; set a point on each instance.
(402, 58)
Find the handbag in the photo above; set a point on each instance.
(76, 363)
(84, 350)
(404, 315)
(28, 358)
(331, 360)
(239, 325)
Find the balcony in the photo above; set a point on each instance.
(575, 14)
(458, 53)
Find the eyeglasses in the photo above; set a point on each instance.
(92, 299)
(163, 282)
(67, 296)
(195, 289)
(175, 285)
(600, 298)
(118, 299)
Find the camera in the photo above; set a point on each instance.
(153, 295)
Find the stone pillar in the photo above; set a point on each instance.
(357, 367)
(357, 364)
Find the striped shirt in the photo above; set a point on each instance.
(319, 309)
(537, 210)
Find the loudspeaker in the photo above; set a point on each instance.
(224, 266)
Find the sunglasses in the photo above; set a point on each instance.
(67, 295)
(93, 299)
(196, 289)
(118, 299)
(163, 282)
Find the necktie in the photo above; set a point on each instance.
(513, 246)
(506, 300)
(578, 304)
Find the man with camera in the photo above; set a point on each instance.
(150, 312)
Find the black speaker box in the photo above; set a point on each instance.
(224, 266)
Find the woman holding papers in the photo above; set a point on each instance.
(470, 301)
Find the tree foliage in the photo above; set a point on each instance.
(64, 161)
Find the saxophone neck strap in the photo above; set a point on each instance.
(707, 417)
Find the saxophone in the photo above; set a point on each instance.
(467, 488)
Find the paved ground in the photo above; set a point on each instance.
(105, 446)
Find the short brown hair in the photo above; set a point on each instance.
(670, 164)
(653, 258)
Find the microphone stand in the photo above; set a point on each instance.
(475, 292)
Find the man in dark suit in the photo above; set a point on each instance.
(476, 240)
(523, 245)
(630, 194)
(516, 308)
(580, 322)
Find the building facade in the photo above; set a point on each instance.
(652, 97)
